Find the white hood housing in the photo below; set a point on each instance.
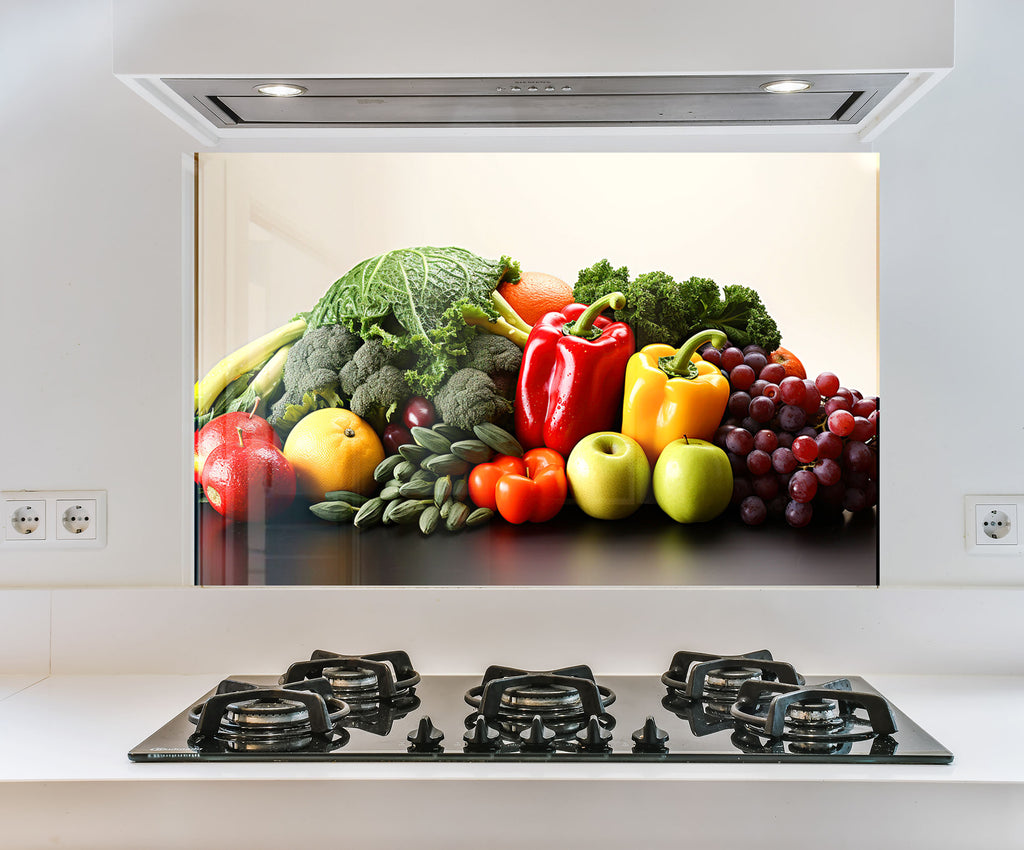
(461, 66)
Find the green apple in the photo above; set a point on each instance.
(692, 480)
(609, 475)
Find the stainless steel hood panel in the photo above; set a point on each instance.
(529, 101)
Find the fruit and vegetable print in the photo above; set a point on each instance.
(434, 388)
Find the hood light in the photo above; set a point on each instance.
(280, 89)
(786, 86)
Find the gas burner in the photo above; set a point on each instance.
(364, 681)
(563, 699)
(812, 717)
(243, 717)
(717, 679)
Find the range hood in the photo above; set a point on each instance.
(252, 68)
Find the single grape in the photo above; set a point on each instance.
(783, 460)
(792, 390)
(756, 360)
(754, 348)
(766, 441)
(806, 431)
(741, 377)
(798, 514)
(827, 383)
(774, 373)
(739, 401)
(792, 418)
(858, 457)
(864, 407)
(757, 388)
(771, 391)
(829, 445)
(753, 510)
(855, 499)
(739, 441)
(731, 358)
(812, 400)
(719, 438)
(766, 486)
(761, 409)
(873, 419)
(840, 423)
(857, 395)
(750, 424)
(843, 392)
(828, 472)
(712, 355)
(803, 485)
(759, 462)
(835, 403)
(785, 439)
(863, 430)
(805, 449)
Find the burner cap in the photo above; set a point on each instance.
(266, 713)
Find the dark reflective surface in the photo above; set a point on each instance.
(645, 549)
(639, 698)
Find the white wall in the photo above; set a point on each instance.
(91, 321)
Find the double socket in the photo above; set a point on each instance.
(54, 519)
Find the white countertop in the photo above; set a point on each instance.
(60, 748)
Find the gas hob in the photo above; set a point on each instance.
(704, 708)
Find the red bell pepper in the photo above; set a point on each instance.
(573, 374)
(527, 489)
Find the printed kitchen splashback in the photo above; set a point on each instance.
(537, 369)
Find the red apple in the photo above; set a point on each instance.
(244, 479)
(224, 429)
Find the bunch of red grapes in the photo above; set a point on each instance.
(799, 449)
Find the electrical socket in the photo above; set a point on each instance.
(990, 525)
(76, 519)
(54, 519)
(24, 520)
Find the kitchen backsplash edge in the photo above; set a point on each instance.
(461, 630)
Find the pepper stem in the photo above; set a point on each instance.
(584, 325)
(678, 365)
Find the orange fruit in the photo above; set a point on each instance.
(333, 449)
(789, 361)
(535, 294)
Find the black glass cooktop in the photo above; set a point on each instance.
(565, 715)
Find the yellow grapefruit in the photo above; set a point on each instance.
(333, 449)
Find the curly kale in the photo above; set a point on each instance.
(380, 395)
(661, 309)
(470, 397)
(311, 373)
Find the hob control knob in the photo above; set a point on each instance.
(538, 737)
(594, 737)
(650, 739)
(481, 737)
(427, 737)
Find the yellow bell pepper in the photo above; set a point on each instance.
(672, 394)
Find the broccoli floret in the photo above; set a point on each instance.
(469, 397)
(492, 354)
(311, 373)
(371, 357)
(380, 395)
